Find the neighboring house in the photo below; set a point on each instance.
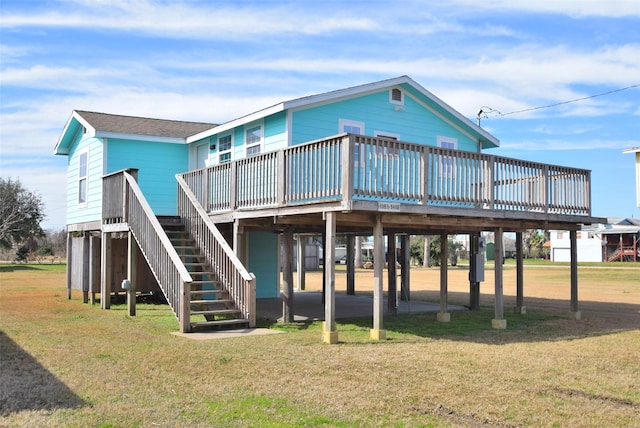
(616, 240)
(192, 208)
(636, 150)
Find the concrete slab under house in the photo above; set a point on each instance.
(207, 214)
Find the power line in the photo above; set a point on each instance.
(485, 110)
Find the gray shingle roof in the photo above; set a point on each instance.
(142, 125)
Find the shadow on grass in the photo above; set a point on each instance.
(26, 385)
(14, 268)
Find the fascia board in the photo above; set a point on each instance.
(64, 150)
(138, 137)
(260, 114)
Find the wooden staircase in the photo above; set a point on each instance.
(210, 306)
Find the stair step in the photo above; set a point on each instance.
(202, 273)
(230, 322)
(211, 302)
(213, 283)
(216, 312)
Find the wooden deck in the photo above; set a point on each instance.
(413, 186)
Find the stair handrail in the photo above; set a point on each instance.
(165, 263)
(239, 282)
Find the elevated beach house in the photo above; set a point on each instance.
(199, 211)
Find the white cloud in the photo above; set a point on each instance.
(202, 20)
(573, 8)
(567, 145)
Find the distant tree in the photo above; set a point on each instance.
(21, 212)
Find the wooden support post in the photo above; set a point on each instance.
(351, 271)
(498, 322)
(474, 283)
(392, 287)
(69, 262)
(329, 331)
(443, 315)
(105, 271)
(574, 275)
(324, 265)
(287, 275)
(377, 332)
(520, 308)
(405, 272)
(301, 268)
(239, 241)
(86, 263)
(93, 268)
(132, 273)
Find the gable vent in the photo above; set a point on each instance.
(396, 95)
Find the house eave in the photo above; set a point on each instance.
(62, 146)
(140, 137)
(237, 122)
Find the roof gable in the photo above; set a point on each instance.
(429, 100)
(120, 126)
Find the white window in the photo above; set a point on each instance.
(224, 148)
(351, 126)
(447, 163)
(396, 96)
(253, 139)
(83, 173)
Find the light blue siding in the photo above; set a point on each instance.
(412, 121)
(263, 262)
(158, 163)
(275, 127)
(92, 209)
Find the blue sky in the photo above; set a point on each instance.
(215, 61)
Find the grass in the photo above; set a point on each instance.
(65, 363)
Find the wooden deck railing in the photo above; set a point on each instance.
(353, 167)
(240, 284)
(123, 202)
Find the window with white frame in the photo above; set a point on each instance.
(83, 174)
(224, 148)
(388, 136)
(447, 163)
(352, 127)
(253, 139)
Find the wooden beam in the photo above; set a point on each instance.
(105, 271)
(86, 263)
(474, 283)
(69, 262)
(405, 266)
(351, 271)
(498, 322)
(287, 275)
(329, 332)
(132, 274)
(520, 308)
(392, 286)
(443, 315)
(94, 268)
(301, 268)
(377, 332)
(574, 274)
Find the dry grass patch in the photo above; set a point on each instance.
(544, 370)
